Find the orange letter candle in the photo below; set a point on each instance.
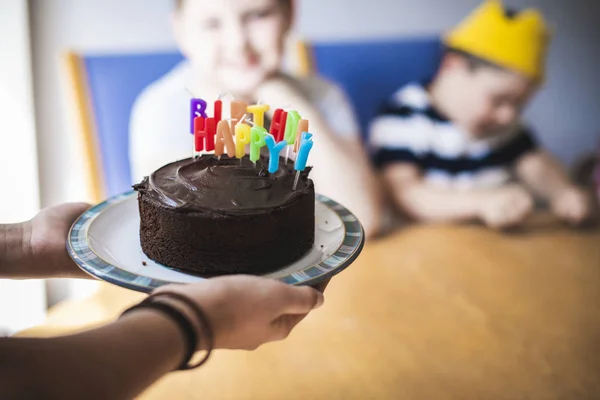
(224, 140)
(302, 127)
(238, 109)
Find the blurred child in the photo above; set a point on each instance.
(236, 47)
(448, 150)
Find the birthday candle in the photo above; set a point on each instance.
(242, 138)
(278, 124)
(257, 140)
(238, 109)
(274, 150)
(197, 109)
(224, 140)
(305, 148)
(204, 133)
(258, 113)
(291, 126)
(302, 127)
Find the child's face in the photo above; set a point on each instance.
(234, 43)
(485, 100)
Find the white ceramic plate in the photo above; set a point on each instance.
(105, 243)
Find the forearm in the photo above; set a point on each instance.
(543, 174)
(15, 252)
(425, 203)
(116, 361)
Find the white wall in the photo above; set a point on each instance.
(18, 162)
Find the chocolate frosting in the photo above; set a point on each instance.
(226, 186)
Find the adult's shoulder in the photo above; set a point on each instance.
(333, 103)
(318, 88)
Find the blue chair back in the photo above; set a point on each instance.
(371, 71)
(114, 82)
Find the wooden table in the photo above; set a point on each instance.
(431, 312)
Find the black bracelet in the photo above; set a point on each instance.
(202, 319)
(184, 324)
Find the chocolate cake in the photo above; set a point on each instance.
(209, 217)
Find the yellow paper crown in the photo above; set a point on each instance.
(517, 43)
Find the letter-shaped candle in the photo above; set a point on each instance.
(302, 127)
(224, 140)
(258, 113)
(197, 109)
(278, 125)
(204, 134)
(257, 140)
(305, 148)
(274, 150)
(238, 109)
(291, 126)
(242, 138)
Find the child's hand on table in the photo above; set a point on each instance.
(506, 207)
(572, 205)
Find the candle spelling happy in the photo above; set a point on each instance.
(231, 136)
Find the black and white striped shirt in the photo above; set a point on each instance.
(408, 129)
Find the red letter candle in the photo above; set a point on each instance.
(278, 125)
(204, 133)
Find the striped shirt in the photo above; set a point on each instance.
(408, 129)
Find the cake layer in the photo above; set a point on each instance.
(210, 216)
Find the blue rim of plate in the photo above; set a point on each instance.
(80, 251)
